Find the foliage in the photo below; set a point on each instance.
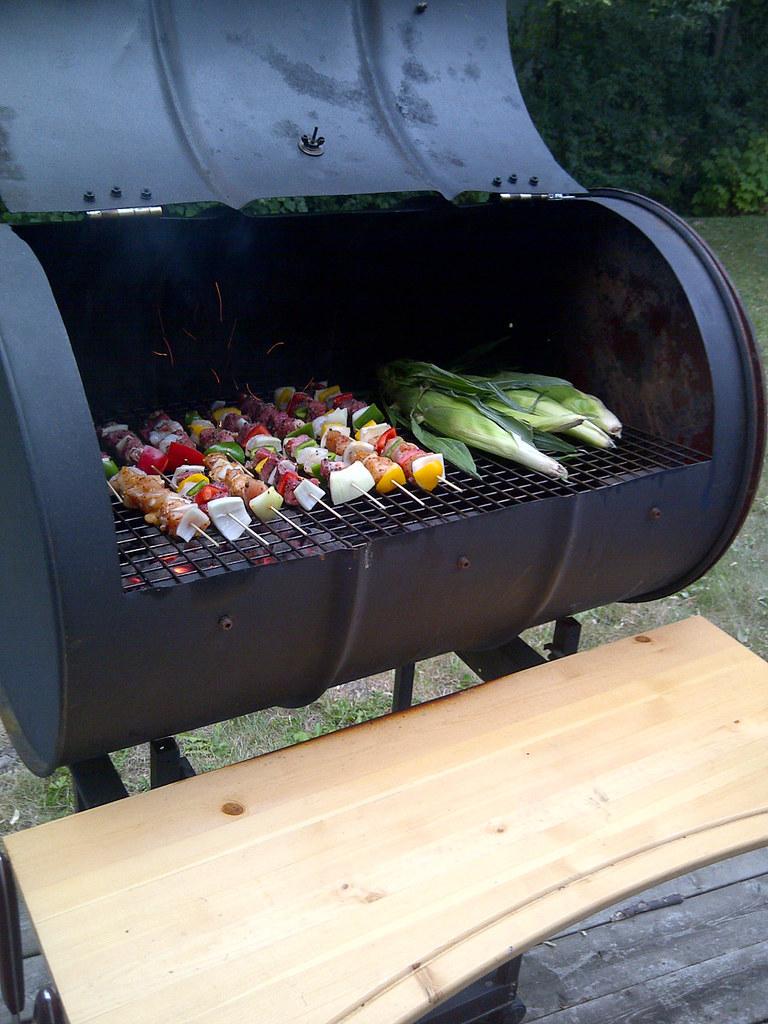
(734, 180)
(642, 95)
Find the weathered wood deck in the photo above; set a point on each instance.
(703, 960)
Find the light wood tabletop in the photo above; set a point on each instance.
(366, 875)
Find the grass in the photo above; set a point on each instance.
(734, 594)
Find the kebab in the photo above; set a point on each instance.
(169, 512)
(129, 449)
(221, 495)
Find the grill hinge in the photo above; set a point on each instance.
(127, 211)
(506, 196)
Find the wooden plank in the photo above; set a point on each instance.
(626, 955)
(374, 872)
(731, 988)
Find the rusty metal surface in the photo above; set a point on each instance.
(168, 101)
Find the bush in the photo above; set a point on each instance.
(735, 180)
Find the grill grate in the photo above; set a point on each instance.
(150, 559)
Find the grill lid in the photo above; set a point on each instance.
(137, 104)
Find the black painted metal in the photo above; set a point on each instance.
(495, 662)
(402, 692)
(167, 764)
(629, 523)
(11, 957)
(565, 640)
(490, 1000)
(48, 1008)
(209, 101)
(96, 782)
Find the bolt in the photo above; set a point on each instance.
(146, 193)
(463, 562)
(421, 6)
(225, 622)
(533, 180)
(89, 196)
(512, 179)
(655, 513)
(496, 181)
(116, 191)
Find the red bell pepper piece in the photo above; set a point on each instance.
(152, 460)
(256, 428)
(208, 492)
(340, 400)
(182, 455)
(383, 439)
(286, 479)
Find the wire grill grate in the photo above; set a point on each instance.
(150, 559)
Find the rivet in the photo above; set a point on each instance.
(146, 193)
(533, 180)
(463, 562)
(496, 182)
(512, 179)
(225, 622)
(655, 513)
(89, 196)
(421, 6)
(116, 191)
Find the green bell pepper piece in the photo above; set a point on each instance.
(230, 448)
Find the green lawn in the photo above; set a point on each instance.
(734, 595)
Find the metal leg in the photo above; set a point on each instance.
(166, 763)
(502, 661)
(11, 960)
(565, 640)
(48, 1008)
(96, 782)
(402, 694)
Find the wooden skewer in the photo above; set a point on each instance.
(451, 484)
(116, 494)
(329, 508)
(369, 496)
(290, 521)
(409, 493)
(249, 531)
(207, 536)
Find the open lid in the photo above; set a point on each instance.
(120, 103)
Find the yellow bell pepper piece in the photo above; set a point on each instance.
(325, 393)
(370, 423)
(259, 466)
(219, 414)
(393, 476)
(428, 476)
(198, 426)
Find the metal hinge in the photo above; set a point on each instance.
(127, 211)
(535, 195)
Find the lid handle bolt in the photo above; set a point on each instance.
(533, 180)
(116, 191)
(512, 179)
(312, 145)
(496, 182)
(421, 6)
(89, 196)
(146, 193)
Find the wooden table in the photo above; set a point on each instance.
(366, 875)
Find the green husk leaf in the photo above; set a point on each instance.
(455, 452)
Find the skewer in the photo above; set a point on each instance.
(207, 536)
(451, 484)
(290, 522)
(109, 485)
(369, 496)
(249, 531)
(409, 493)
(329, 508)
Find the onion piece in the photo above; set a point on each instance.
(312, 453)
(308, 494)
(336, 417)
(354, 448)
(347, 483)
(370, 434)
(185, 471)
(221, 509)
(257, 441)
(192, 517)
(263, 505)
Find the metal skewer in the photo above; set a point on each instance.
(329, 508)
(290, 522)
(249, 531)
(368, 495)
(409, 493)
(116, 493)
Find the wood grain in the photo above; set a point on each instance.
(373, 873)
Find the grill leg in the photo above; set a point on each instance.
(566, 638)
(402, 694)
(96, 782)
(11, 961)
(491, 1000)
(48, 1008)
(166, 763)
